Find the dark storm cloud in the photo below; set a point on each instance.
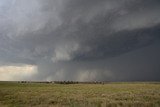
(82, 38)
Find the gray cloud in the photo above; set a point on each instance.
(82, 40)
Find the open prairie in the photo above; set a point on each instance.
(135, 94)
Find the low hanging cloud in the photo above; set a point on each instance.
(11, 73)
(107, 40)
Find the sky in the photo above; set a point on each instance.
(80, 40)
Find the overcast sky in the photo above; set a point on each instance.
(82, 40)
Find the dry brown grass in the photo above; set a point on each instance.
(79, 95)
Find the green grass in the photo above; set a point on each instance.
(79, 95)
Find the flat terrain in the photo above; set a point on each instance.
(14, 94)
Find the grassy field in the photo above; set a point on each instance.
(79, 95)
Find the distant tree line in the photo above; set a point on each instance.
(64, 82)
